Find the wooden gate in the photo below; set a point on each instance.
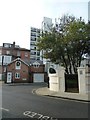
(71, 83)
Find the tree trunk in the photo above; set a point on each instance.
(70, 66)
(66, 66)
(73, 65)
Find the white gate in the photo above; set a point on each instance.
(9, 77)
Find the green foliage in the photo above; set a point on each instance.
(67, 45)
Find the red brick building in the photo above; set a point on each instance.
(18, 71)
(8, 53)
(16, 66)
(37, 71)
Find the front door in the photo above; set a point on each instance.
(9, 77)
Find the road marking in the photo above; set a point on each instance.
(37, 115)
(33, 91)
(5, 109)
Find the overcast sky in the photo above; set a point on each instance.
(17, 16)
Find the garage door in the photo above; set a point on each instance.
(38, 78)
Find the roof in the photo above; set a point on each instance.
(26, 63)
(15, 48)
(23, 49)
(38, 61)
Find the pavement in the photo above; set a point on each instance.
(65, 95)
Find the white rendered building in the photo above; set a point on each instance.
(89, 10)
(34, 35)
(46, 26)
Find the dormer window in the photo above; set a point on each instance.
(36, 65)
(18, 64)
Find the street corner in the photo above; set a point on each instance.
(43, 91)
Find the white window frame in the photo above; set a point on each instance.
(17, 75)
(26, 54)
(0, 52)
(18, 67)
(7, 52)
(1, 59)
(0, 76)
(5, 69)
(36, 65)
(7, 59)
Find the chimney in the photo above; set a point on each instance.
(14, 44)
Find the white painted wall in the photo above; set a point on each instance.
(89, 10)
(57, 81)
(84, 80)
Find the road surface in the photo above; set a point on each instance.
(20, 101)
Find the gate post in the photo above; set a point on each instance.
(62, 79)
(57, 80)
(81, 80)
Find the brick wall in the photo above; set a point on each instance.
(40, 69)
(15, 51)
(24, 72)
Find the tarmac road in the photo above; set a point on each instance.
(20, 101)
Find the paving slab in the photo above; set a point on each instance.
(66, 95)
